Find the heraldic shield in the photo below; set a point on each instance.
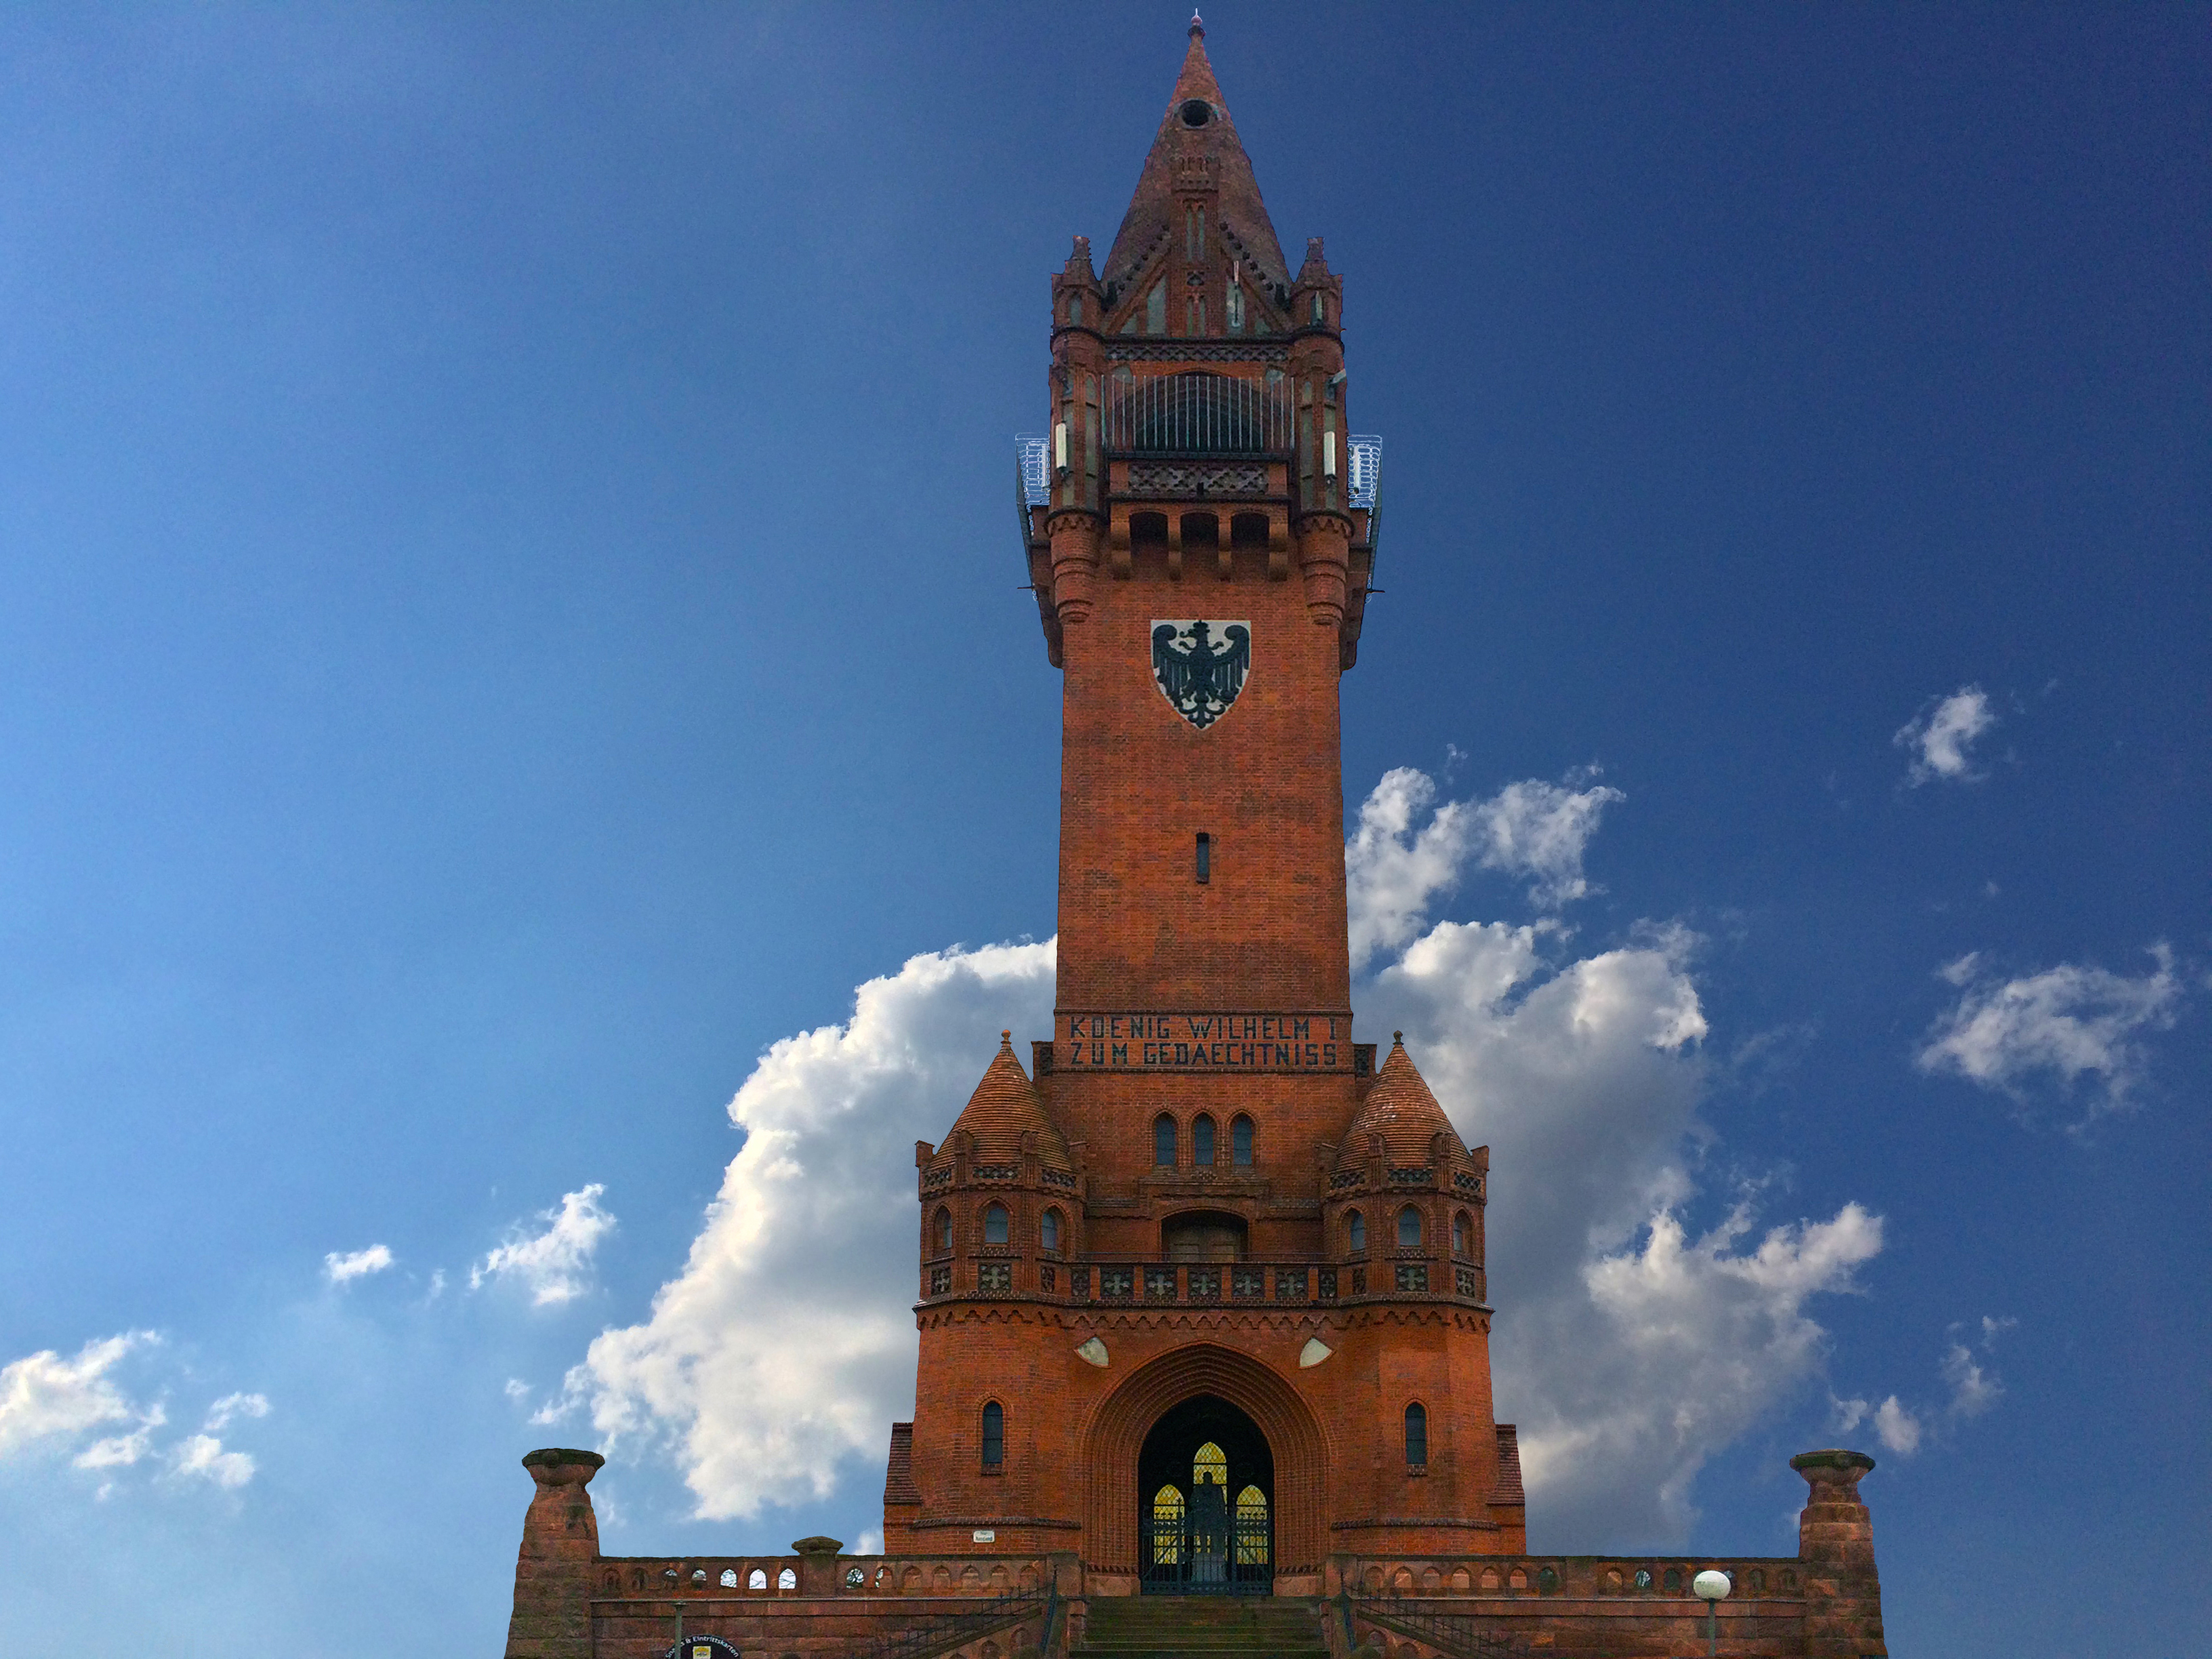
(1200, 666)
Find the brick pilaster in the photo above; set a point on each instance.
(552, 1617)
(1835, 1543)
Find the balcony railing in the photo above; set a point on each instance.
(1197, 412)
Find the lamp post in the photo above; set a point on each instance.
(1713, 1586)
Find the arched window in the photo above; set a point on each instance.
(1167, 1526)
(1163, 1141)
(1075, 311)
(1201, 1139)
(1209, 1467)
(756, 1580)
(994, 1224)
(787, 1580)
(1050, 1232)
(1355, 1232)
(994, 1434)
(1251, 1528)
(1409, 1227)
(1417, 1434)
(1240, 1142)
(942, 1232)
(1463, 1237)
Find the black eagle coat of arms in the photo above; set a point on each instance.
(1200, 667)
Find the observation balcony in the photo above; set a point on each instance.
(1138, 1282)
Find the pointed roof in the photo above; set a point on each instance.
(1005, 1108)
(1196, 132)
(1400, 1108)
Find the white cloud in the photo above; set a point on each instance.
(1974, 1388)
(47, 1401)
(202, 1457)
(359, 1264)
(44, 1397)
(1973, 1391)
(2067, 1022)
(1897, 1428)
(786, 1345)
(234, 1405)
(122, 1450)
(1542, 830)
(517, 1389)
(1942, 733)
(554, 1266)
(1635, 1345)
(1405, 850)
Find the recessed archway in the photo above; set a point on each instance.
(1205, 1482)
(1113, 1442)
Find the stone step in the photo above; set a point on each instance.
(1201, 1627)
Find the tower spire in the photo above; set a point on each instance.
(1197, 140)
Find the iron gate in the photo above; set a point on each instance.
(1208, 1550)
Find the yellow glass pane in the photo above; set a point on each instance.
(1252, 1502)
(1210, 1468)
(1167, 1526)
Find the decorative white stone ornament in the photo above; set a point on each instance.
(1313, 1353)
(1093, 1351)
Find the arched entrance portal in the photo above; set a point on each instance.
(1206, 1486)
(1113, 1445)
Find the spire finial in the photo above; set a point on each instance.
(1397, 1037)
(1197, 27)
(1007, 1039)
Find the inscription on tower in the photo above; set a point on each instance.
(1213, 1040)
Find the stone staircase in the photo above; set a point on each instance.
(1199, 1627)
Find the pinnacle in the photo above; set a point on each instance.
(1197, 138)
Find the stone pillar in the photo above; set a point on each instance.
(817, 1566)
(1835, 1546)
(1074, 562)
(552, 1617)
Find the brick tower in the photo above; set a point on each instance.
(1202, 1305)
(1202, 1296)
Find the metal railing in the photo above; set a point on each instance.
(955, 1630)
(1227, 1553)
(1366, 470)
(1197, 412)
(1457, 1634)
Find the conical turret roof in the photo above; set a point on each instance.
(1400, 1108)
(1004, 1109)
(1196, 139)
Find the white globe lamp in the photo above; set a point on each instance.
(1713, 1586)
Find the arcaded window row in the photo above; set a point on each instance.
(997, 1229)
(1167, 1141)
(1409, 1232)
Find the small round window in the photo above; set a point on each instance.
(1195, 113)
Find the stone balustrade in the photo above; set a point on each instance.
(721, 1577)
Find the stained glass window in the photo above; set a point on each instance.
(1210, 1466)
(1167, 1526)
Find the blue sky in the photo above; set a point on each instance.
(507, 619)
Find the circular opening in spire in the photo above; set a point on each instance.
(1195, 112)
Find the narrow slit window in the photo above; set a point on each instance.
(994, 1224)
(1409, 1227)
(1163, 1141)
(1202, 1140)
(943, 1232)
(1051, 1230)
(1240, 1142)
(995, 1436)
(1355, 1232)
(1417, 1435)
(1204, 857)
